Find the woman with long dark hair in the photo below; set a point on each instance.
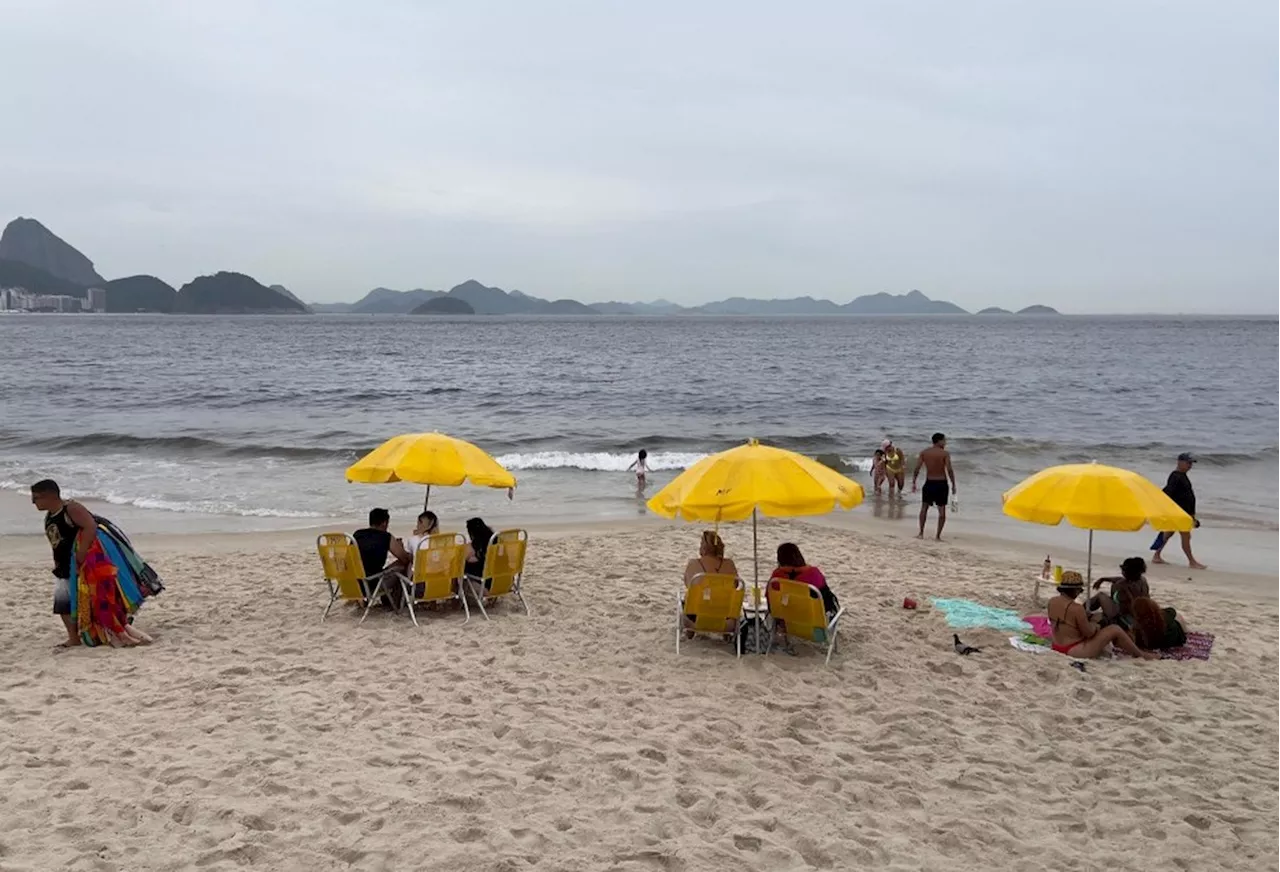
(1154, 628)
(792, 566)
(481, 535)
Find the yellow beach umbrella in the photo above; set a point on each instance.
(430, 459)
(1094, 497)
(755, 479)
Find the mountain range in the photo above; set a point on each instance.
(485, 300)
(33, 257)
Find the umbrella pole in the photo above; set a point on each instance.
(755, 588)
(427, 501)
(1088, 572)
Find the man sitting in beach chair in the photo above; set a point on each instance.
(345, 574)
(376, 544)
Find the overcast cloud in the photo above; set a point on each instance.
(1097, 156)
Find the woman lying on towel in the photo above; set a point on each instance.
(1075, 635)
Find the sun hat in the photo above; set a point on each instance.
(1071, 578)
(886, 443)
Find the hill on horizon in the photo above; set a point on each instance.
(30, 242)
(140, 294)
(231, 293)
(444, 305)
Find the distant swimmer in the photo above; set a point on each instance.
(895, 466)
(937, 463)
(641, 466)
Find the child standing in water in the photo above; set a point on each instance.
(877, 471)
(641, 466)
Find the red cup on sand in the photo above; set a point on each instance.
(909, 603)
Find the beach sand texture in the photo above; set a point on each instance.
(251, 735)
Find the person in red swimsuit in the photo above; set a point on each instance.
(1075, 635)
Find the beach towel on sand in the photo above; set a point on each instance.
(966, 614)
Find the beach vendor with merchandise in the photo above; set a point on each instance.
(100, 580)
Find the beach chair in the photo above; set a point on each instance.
(345, 574)
(799, 607)
(503, 571)
(438, 574)
(711, 601)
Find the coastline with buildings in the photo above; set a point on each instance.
(22, 300)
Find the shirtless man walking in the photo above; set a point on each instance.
(937, 463)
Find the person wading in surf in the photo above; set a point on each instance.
(937, 462)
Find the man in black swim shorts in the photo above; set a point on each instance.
(937, 462)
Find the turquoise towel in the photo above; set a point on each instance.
(962, 613)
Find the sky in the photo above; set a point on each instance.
(1094, 156)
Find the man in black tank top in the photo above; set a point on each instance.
(64, 522)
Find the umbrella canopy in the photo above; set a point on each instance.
(733, 485)
(430, 459)
(1094, 497)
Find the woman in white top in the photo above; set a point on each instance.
(428, 525)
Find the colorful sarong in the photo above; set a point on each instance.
(110, 586)
(97, 600)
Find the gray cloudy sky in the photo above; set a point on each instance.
(1097, 156)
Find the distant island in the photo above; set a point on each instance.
(444, 306)
(51, 272)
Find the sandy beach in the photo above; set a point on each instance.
(251, 735)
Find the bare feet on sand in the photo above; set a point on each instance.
(1198, 566)
(1157, 559)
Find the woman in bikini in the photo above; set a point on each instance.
(710, 560)
(1075, 635)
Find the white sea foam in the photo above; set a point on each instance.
(597, 461)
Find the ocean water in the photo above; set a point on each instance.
(250, 421)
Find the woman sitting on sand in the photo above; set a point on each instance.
(1118, 608)
(791, 566)
(481, 535)
(1075, 635)
(1154, 628)
(710, 559)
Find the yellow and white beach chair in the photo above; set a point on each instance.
(438, 573)
(345, 573)
(709, 604)
(799, 607)
(503, 571)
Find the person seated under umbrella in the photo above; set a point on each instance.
(376, 545)
(1075, 635)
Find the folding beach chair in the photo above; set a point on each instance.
(438, 573)
(503, 571)
(345, 574)
(799, 607)
(709, 605)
